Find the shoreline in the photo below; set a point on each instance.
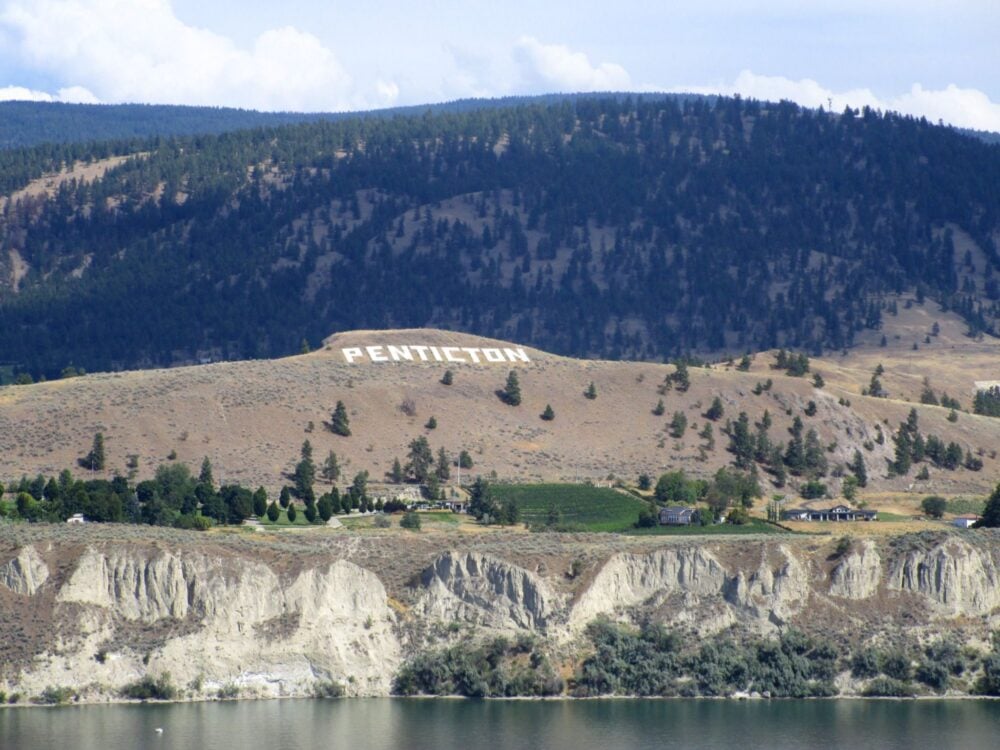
(509, 699)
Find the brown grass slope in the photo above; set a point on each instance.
(250, 418)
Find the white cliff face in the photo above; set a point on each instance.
(247, 628)
(26, 573)
(774, 593)
(488, 591)
(135, 587)
(858, 575)
(627, 580)
(233, 620)
(958, 577)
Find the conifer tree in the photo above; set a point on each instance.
(205, 475)
(331, 468)
(591, 391)
(340, 424)
(715, 411)
(548, 415)
(511, 393)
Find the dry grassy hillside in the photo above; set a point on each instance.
(250, 418)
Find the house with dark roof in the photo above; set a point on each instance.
(836, 513)
(676, 515)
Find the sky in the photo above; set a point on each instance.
(933, 58)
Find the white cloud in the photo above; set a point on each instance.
(555, 67)
(73, 94)
(969, 108)
(138, 50)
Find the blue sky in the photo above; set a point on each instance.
(924, 57)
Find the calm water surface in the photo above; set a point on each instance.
(508, 725)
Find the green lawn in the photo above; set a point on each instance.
(894, 517)
(300, 518)
(962, 505)
(580, 505)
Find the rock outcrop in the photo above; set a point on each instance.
(218, 616)
(26, 573)
(628, 580)
(245, 627)
(958, 578)
(858, 574)
(485, 590)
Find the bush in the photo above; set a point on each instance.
(896, 664)
(934, 506)
(382, 521)
(812, 490)
(989, 682)
(496, 668)
(55, 696)
(229, 691)
(864, 664)
(147, 688)
(888, 688)
(329, 688)
(410, 521)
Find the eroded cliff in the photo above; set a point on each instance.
(258, 617)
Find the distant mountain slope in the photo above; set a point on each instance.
(31, 123)
(614, 226)
(25, 124)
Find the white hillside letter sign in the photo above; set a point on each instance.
(379, 353)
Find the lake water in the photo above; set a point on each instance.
(363, 724)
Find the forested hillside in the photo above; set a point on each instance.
(617, 227)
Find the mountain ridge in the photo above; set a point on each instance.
(642, 229)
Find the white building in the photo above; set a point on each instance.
(966, 521)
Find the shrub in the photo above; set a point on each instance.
(382, 522)
(864, 664)
(329, 688)
(895, 664)
(934, 506)
(228, 692)
(159, 689)
(411, 521)
(55, 696)
(889, 688)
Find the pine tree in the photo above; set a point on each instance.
(442, 469)
(548, 415)
(285, 498)
(991, 513)
(331, 468)
(659, 409)
(448, 378)
(291, 513)
(511, 393)
(340, 424)
(94, 461)
(205, 475)
(396, 474)
(420, 459)
(857, 467)
(715, 411)
(260, 502)
(432, 424)
(273, 513)
(678, 424)
(591, 391)
(465, 460)
(741, 443)
(680, 377)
